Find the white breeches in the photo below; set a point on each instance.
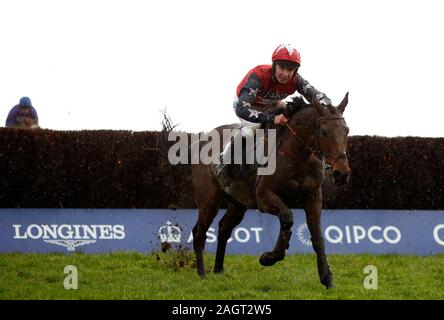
(247, 130)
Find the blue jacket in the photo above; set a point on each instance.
(19, 112)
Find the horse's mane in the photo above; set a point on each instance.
(298, 104)
(302, 109)
(332, 109)
(297, 108)
(301, 112)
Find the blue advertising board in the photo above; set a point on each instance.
(144, 230)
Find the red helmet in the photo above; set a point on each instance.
(286, 52)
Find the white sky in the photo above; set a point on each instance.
(90, 64)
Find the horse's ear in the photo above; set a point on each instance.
(343, 104)
(318, 105)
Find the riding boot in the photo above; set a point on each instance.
(259, 153)
(269, 258)
(223, 168)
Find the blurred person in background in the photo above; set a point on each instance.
(23, 115)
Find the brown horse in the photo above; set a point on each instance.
(316, 135)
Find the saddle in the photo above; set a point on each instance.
(245, 171)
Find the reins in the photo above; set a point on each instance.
(297, 137)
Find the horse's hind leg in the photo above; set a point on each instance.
(233, 216)
(206, 217)
(207, 196)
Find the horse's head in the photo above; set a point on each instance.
(330, 138)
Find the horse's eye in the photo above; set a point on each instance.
(324, 132)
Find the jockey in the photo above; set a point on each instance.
(261, 92)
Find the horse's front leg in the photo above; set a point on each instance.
(272, 203)
(313, 207)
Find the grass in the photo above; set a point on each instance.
(172, 275)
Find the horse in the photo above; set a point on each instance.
(314, 137)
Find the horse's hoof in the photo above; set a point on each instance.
(328, 282)
(330, 286)
(269, 258)
(218, 270)
(201, 273)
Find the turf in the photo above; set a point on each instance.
(172, 275)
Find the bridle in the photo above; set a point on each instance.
(317, 149)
